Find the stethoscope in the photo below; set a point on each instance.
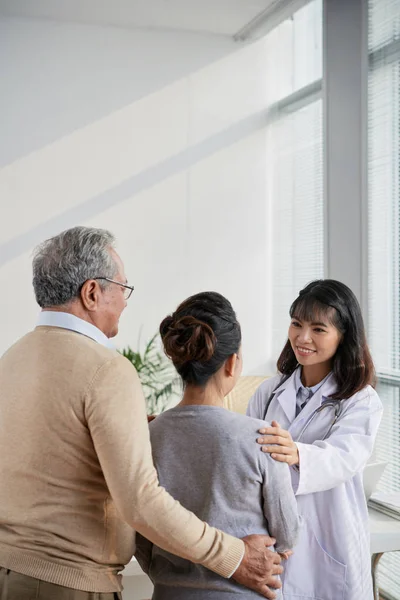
(336, 404)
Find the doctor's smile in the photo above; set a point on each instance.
(304, 351)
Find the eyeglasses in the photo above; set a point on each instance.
(128, 288)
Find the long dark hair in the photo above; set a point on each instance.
(352, 365)
(200, 335)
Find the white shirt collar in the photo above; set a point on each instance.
(306, 390)
(65, 320)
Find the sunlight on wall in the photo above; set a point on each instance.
(184, 196)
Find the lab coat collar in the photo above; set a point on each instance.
(286, 396)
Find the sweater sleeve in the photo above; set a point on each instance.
(116, 416)
(280, 506)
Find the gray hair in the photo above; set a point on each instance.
(63, 263)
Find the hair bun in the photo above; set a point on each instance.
(165, 325)
(187, 339)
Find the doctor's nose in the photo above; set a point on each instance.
(305, 335)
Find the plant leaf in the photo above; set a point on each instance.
(156, 373)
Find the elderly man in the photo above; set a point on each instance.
(76, 473)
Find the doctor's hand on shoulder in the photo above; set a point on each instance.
(279, 444)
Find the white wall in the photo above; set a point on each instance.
(155, 136)
(57, 77)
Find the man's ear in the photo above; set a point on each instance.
(90, 293)
(230, 365)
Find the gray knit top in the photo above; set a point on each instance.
(208, 459)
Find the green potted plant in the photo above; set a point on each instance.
(160, 382)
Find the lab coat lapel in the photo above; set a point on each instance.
(286, 397)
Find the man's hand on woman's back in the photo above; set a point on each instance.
(259, 566)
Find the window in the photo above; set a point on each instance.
(384, 244)
(297, 213)
(295, 164)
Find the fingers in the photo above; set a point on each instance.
(278, 449)
(260, 539)
(276, 559)
(268, 593)
(286, 452)
(281, 453)
(267, 540)
(271, 586)
(285, 554)
(273, 431)
(275, 439)
(277, 569)
(289, 459)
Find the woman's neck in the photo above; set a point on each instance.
(313, 374)
(210, 395)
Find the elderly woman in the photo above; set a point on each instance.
(207, 457)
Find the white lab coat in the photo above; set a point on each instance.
(331, 560)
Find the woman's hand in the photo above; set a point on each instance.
(279, 444)
(285, 555)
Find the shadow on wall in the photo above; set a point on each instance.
(58, 77)
(131, 187)
(134, 148)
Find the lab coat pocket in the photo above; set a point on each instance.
(311, 573)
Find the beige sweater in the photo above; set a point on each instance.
(76, 473)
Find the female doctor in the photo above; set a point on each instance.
(324, 416)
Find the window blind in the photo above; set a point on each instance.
(384, 244)
(297, 211)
